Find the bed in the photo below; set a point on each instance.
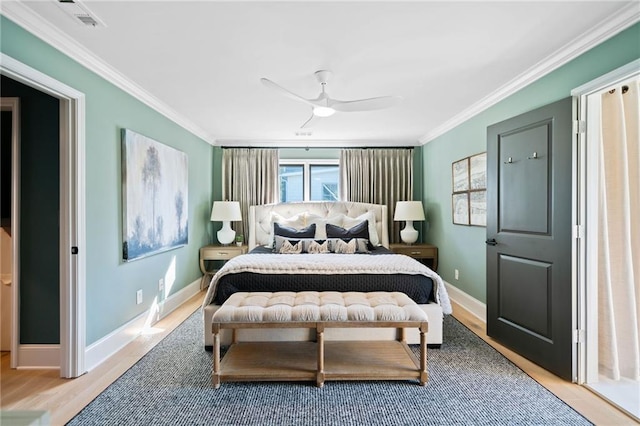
(377, 270)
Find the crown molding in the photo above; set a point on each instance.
(32, 22)
(618, 22)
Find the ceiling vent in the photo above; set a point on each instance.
(80, 13)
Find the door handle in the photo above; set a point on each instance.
(491, 242)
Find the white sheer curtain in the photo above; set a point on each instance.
(249, 176)
(380, 176)
(619, 234)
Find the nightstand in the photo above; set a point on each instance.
(426, 253)
(217, 253)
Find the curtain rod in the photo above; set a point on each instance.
(306, 148)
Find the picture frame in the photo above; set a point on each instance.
(469, 193)
(460, 175)
(478, 171)
(460, 208)
(155, 205)
(478, 208)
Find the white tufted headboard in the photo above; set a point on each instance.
(260, 216)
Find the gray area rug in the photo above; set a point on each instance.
(469, 384)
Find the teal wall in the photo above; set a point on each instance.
(111, 284)
(462, 247)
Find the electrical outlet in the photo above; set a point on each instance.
(138, 297)
(161, 285)
(456, 274)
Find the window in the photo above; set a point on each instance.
(309, 180)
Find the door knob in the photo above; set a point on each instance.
(491, 242)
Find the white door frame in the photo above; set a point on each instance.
(586, 183)
(72, 211)
(13, 105)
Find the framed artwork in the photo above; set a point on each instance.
(154, 197)
(469, 184)
(478, 208)
(478, 171)
(460, 208)
(460, 173)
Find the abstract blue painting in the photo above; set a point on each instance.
(154, 196)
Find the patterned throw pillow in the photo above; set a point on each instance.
(289, 248)
(344, 247)
(336, 245)
(317, 247)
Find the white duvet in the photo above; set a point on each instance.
(329, 263)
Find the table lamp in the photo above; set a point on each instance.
(225, 212)
(409, 211)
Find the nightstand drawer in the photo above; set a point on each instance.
(426, 253)
(220, 253)
(416, 252)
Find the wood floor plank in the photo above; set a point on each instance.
(64, 398)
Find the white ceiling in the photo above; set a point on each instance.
(201, 62)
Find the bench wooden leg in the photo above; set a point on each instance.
(215, 378)
(320, 343)
(424, 375)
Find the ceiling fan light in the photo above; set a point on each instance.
(321, 111)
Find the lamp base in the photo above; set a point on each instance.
(409, 235)
(226, 235)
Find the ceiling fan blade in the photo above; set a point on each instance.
(284, 91)
(311, 121)
(369, 104)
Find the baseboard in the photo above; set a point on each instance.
(33, 357)
(100, 351)
(471, 304)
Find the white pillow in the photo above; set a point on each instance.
(321, 223)
(350, 222)
(296, 222)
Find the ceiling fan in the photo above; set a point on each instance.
(324, 106)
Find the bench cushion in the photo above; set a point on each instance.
(310, 306)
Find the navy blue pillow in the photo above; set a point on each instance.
(285, 231)
(361, 230)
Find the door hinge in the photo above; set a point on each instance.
(578, 336)
(578, 232)
(74, 250)
(579, 126)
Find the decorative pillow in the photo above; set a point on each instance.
(354, 245)
(288, 248)
(296, 222)
(305, 243)
(318, 247)
(349, 222)
(285, 231)
(361, 230)
(321, 223)
(346, 248)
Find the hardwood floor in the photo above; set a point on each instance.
(64, 398)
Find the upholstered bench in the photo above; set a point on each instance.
(319, 360)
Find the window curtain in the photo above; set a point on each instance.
(380, 176)
(249, 176)
(619, 235)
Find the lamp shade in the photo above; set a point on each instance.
(409, 210)
(224, 211)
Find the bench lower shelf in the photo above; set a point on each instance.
(343, 360)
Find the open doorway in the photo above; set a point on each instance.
(9, 155)
(71, 119)
(609, 259)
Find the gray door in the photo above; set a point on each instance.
(529, 303)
